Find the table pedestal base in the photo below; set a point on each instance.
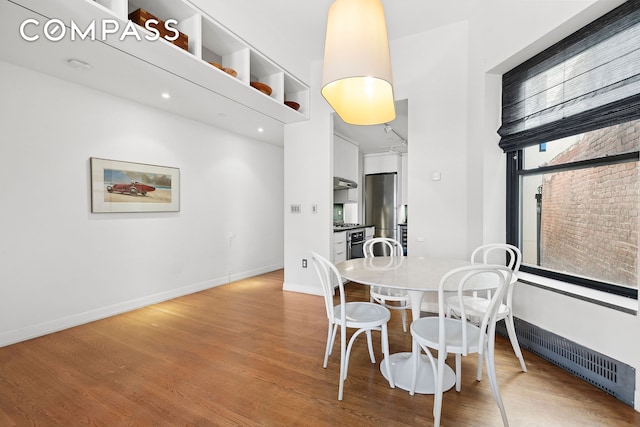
(402, 370)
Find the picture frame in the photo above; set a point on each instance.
(120, 186)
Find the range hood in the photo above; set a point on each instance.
(343, 183)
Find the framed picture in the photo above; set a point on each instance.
(118, 186)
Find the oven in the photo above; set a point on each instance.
(355, 243)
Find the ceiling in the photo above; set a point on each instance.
(290, 32)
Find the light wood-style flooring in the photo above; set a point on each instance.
(250, 354)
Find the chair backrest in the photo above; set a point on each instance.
(385, 245)
(498, 253)
(469, 278)
(330, 278)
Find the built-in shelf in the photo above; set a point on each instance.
(209, 41)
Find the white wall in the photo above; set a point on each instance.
(430, 70)
(62, 265)
(308, 148)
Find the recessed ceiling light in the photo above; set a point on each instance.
(166, 95)
(78, 64)
(260, 130)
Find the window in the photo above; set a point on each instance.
(571, 134)
(578, 208)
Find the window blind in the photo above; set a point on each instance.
(589, 80)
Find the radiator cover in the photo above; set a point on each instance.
(612, 376)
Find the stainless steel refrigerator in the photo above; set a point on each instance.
(380, 201)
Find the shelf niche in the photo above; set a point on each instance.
(210, 41)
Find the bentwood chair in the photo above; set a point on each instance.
(459, 335)
(362, 316)
(476, 305)
(393, 299)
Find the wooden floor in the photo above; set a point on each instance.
(250, 354)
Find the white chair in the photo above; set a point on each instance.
(382, 295)
(475, 306)
(363, 316)
(460, 336)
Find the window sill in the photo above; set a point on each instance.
(614, 302)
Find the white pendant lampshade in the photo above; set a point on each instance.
(356, 74)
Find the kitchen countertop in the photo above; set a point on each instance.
(355, 227)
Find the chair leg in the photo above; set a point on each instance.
(511, 330)
(385, 352)
(458, 371)
(416, 356)
(370, 345)
(493, 380)
(414, 375)
(437, 396)
(331, 338)
(404, 320)
(479, 371)
(343, 360)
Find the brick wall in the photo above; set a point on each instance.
(589, 221)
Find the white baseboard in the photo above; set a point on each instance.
(51, 326)
(304, 289)
(234, 277)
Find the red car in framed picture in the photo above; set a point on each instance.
(133, 189)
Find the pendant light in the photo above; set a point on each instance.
(356, 74)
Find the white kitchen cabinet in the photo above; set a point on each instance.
(345, 159)
(147, 60)
(346, 196)
(381, 163)
(339, 246)
(345, 165)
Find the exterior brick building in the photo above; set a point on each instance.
(589, 217)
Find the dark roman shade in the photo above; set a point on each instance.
(587, 81)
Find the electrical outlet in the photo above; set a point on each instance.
(304, 263)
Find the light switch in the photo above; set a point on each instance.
(435, 176)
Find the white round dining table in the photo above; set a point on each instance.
(416, 275)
